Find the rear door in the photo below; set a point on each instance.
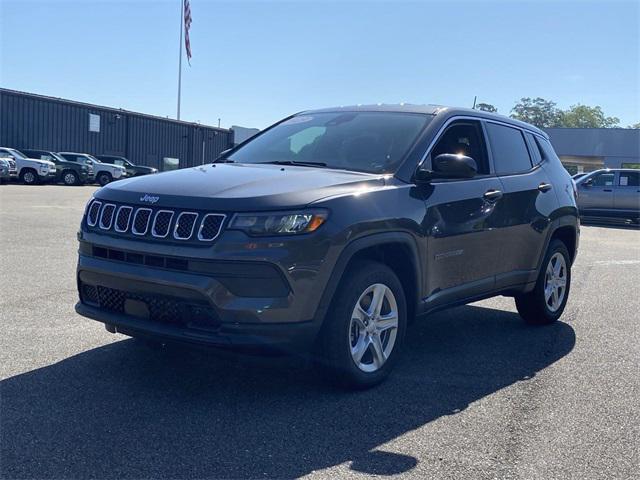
(626, 195)
(527, 205)
(595, 193)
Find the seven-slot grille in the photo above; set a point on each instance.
(158, 223)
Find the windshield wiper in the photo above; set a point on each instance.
(296, 163)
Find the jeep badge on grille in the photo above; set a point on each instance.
(149, 198)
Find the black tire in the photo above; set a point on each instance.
(28, 176)
(333, 348)
(69, 177)
(533, 307)
(104, 178)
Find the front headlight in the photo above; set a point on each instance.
(285, 223)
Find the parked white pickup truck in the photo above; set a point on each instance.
(30, 170)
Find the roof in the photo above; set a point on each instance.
(430, 109)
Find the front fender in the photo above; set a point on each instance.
(360, 244)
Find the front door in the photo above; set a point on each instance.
(595, 194)
(460, 223)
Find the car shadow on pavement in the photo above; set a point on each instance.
(126, 411)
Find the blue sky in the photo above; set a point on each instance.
(255, 62)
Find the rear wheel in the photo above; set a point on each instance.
(546, 302)
(69, 177)
(28, 176)
(364, 329)
(104, 178)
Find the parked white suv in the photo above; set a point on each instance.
(30, 170)
(104, 172)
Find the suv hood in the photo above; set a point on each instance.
(239, 187)
(39, 161)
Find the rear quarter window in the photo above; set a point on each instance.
(629, 179)
(509, 150)
(547, 151)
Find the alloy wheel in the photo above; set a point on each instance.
(373, 328)
(555, 282)
(69, 179)
(29, 177)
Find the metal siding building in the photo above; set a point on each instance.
(34, 121)
(586, 149)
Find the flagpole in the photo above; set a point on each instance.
(180, 56)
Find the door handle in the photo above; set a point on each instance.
(492, 195)
(607, 190)
(545, 187)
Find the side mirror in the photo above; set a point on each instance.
(449, 165)
(588, 182)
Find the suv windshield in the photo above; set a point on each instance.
(373, 142)
(17, 153)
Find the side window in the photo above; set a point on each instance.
(118, 162)
(466, 138)
(548, 153)
(510, 153)
(534, 148)
(629, 179)
(603, 180)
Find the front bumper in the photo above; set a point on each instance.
(212, 308)
(285, 337)
(51, 175)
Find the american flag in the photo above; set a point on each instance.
(187, 26)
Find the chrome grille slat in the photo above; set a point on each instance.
(162, 223)
(185, 223)
(210, 227)
(93, 215)
(141, 219)
(106, 217)
(122, 218)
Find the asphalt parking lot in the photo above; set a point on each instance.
(477, 393)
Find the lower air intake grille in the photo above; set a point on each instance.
(161, 309)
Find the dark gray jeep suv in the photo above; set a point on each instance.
(328, 231)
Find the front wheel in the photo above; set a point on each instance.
(546, 302)
(29, 177)
(365, 327)
(104, 178)
(70, 178)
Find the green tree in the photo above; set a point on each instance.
(538, 112)
(635, 125)
(584, 116)
(486, 107)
